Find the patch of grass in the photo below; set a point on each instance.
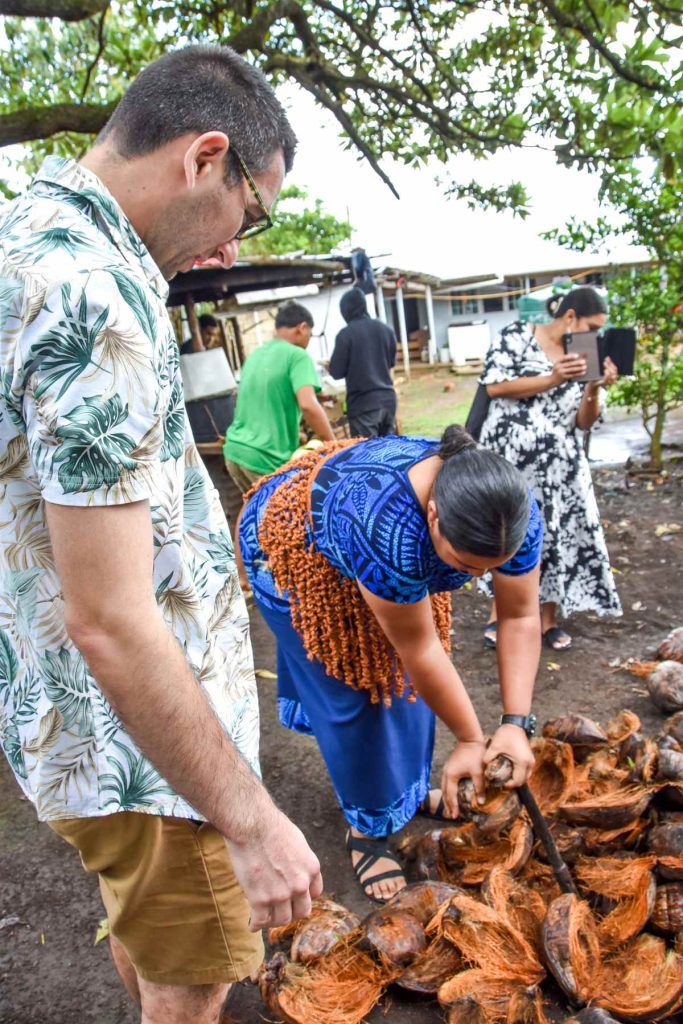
(424, 408)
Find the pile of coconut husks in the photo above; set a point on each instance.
(486, 929)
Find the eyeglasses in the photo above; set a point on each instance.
(261, 223)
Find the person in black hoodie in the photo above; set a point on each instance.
(364, 352)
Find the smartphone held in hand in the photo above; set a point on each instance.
(585, 345)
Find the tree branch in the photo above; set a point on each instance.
(65, 10)
(100, 50)
(43, 122)
(564, 21)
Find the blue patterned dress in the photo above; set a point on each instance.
(367, 521)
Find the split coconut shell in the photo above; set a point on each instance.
(420, 855)
(614, 809)
(671, 648)
(643, 981)
(422, 899)
(432, 969)
(552, 776)
(487, 939)
(629, 885)
(395, 936)
(674, 727)
(619, 728)
(468, 857)
(572, 947)
(665, 686)
(523, 907)
(583, 734)
(318, 935)
(340, 988)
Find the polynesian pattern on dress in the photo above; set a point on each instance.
(92, 414)
(539, 435)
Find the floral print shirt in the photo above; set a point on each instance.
(92, 414)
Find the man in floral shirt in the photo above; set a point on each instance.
(128, 706)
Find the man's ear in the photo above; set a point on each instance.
(204, 158)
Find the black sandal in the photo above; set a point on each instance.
(491, 642)
(373, 850)
(552, 635)
(437, 815)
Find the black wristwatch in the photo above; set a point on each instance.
(526, 722)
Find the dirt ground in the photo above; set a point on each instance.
(50, 970)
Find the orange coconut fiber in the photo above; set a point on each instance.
(598, 840)
(526, 1007)
(642, 981)
(642, 669)
(340, 988)
(487, 939)
(631, 883)
(617, 807)
(467, 858)
(552, 777)
(490, 993)
(622, 726)
(523, 907)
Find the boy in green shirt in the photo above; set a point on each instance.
(277, 387)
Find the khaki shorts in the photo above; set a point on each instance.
(243, 478)
(171, 896)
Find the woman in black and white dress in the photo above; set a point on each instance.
(536, 419)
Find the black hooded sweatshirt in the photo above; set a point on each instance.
(364, 352)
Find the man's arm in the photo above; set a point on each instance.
(104, 558)
(313, 413)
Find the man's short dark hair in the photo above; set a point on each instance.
(206, 320)
(203, 89)
(291, 314)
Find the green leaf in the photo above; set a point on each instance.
(133, 782)
(174, 424)
(134, 296)
(22, 589)
(195, 500)
(92, 453)
(67, 686)
(9, 666)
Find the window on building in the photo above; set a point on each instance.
(494, 304)
(462, 306)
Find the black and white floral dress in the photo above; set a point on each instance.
(539, 435)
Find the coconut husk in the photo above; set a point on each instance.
(602, 764)
(317, 937)
(490, 993)
(642, 669)
(395, 936)
(526, 1007)
(674, 727)
(321, 905)
(439, 962)
(666, 839)
(524, 907)
(420, 855)
(667, 915)
(488, 940)
(582, 733)
(540, 878)
(572, 947)
(468, 1011)
(421, 899)
(643, 981)
(552, 776)
(493, 816)
(616, 808)
(630, 884)
(670, 762)
(619, 728)
(569, 841)
(665, 686)
(468, 857)
(340, 988)
(598, 840)
(639, 755)
(671, 648)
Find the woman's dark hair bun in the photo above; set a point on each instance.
(584, 300)
(454, 440)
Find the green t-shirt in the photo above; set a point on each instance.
(265, 431)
